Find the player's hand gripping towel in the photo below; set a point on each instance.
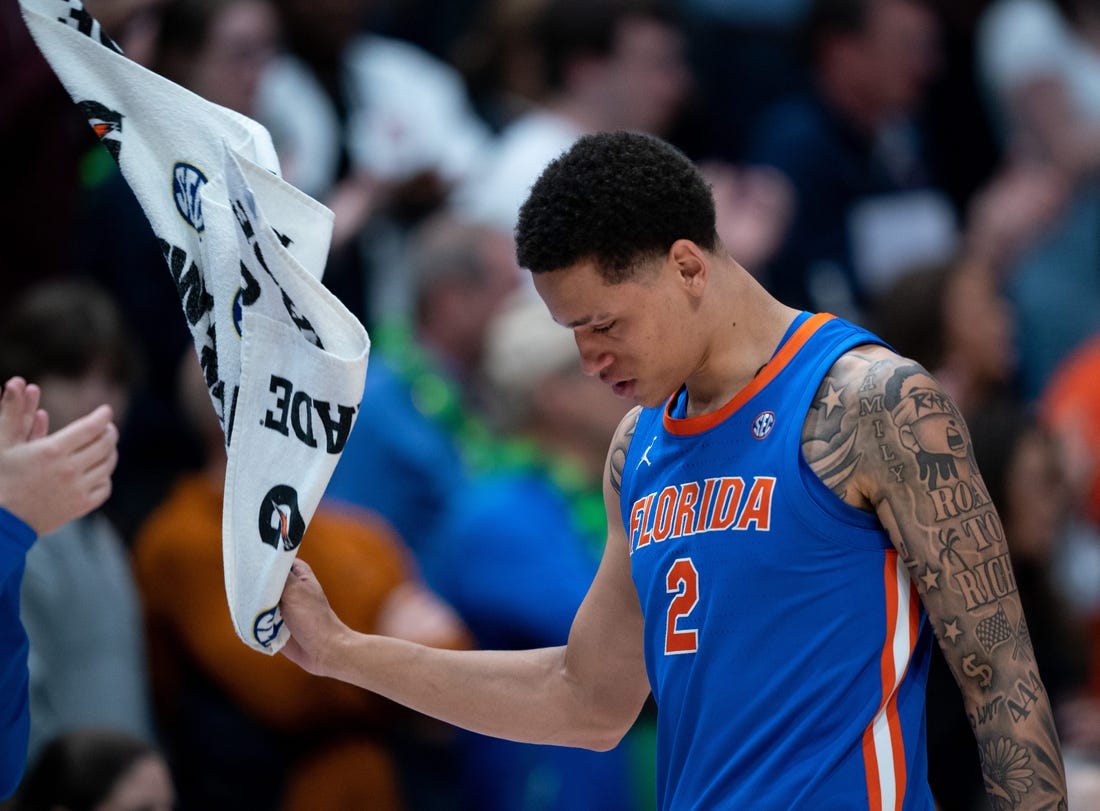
(283, 359)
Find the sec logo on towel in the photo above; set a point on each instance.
(187, 182)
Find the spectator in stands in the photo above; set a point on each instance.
(612, 65)
(866, 208)
(955, 321)
(78, 602)
(422, 429)
(605, 65)
(1040, 68)
(744, 57)
(97, 770)
(218, 48)
(499, 57)
(374, 127)
(45, 482)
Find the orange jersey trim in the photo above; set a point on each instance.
(686, 426)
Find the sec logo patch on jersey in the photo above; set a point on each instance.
(763, 423)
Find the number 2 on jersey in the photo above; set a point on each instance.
(683, 581)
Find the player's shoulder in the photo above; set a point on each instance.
(870, 397)
(628, 424)
(620, 444)
(873, 370)
(869, 379)
(620, 440)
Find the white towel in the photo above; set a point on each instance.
(283, 359)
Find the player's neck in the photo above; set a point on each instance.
(744, 339)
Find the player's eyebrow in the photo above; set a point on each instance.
(588, 319)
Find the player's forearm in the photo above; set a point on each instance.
(524, 696)
(1008, 707)
(1018, 745)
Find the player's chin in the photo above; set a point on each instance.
(648, 399)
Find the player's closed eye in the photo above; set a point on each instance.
(603, 330)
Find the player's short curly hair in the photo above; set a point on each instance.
(616, 199)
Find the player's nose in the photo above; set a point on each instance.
(593, 359)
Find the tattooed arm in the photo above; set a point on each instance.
(884, 436)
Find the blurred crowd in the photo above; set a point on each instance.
(927, 168)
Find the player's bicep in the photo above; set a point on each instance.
(605, 655)
(605, 652)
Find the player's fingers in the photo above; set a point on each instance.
(100, 468)
(96, 449)
(98, 494)
(13, 407)
(40, 425)
(84, 431)
(302, 586)
(32, 396)
(301, 570)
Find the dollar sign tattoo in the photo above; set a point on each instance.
(983, 673)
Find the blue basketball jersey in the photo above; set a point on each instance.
(786, 647)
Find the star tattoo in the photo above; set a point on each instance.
(831, 400)
(951, 630)
(931, 578)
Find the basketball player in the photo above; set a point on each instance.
(794, 512)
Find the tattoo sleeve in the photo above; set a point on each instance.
(884, 436)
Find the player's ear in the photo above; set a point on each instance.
(690, 262)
